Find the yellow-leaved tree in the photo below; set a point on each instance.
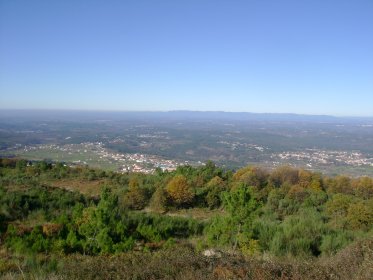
(179, 191)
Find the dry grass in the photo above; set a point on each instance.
(20, 276)
(89, 188)
(201, 214)
(353, 263)
(181, 262)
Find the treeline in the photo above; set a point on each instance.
(286, 211)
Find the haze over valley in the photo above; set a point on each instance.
(143, 141)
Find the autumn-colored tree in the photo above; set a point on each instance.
(360, 216)
(298, 193)
(316, 182)
(284, 174)
(305, 178)
(363, 187)
(179, 190)
(251, 176)
(339, 184)
(337, 208)
(338, 205)
(216, 182)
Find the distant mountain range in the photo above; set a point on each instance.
(176, 115)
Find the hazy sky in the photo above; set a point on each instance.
(301, 56)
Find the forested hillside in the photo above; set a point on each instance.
(62, 222)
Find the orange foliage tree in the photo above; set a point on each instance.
(179, 190)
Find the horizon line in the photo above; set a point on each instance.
(182, 110)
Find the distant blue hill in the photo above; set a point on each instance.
(180, 115)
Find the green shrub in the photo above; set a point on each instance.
(299, 234)
(331, 243)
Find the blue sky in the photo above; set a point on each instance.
(308, 57)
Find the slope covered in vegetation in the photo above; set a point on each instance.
(282, 224)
